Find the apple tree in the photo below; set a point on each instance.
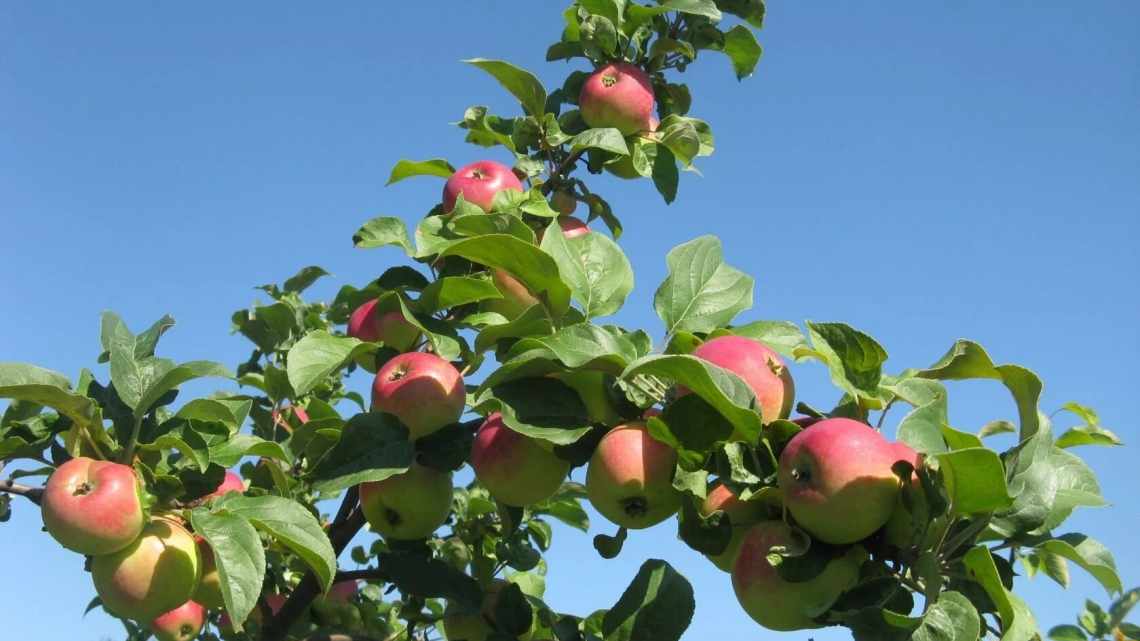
(486, 346)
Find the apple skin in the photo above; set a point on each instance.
(93, 507)
(782, 605)
(837, 480)
(904, 526)
(407, 506)
(231, 483)
(741, 516)
(516, 297)
(760, 366)
(563, 202)
(571, 228)
(156, 573)
(618, 95)
(479, 182)
(630, 478)
(390, 328)
(422, 390)
(180, 624)
(516, 469)
(459, 625)
(209, 590)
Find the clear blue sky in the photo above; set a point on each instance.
(924, 171)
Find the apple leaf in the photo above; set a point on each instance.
(522, 84)
(317, 355)
(453, 291)
(1067, 633)
(658, 605)
(582, 346)
(428, 577)
(665, 173)
(606, 139)
(782, 336)
(32, 384)
(701, 292)
(480, 224)
(408, 168)
(170, 379)
(595, 268)
(543, 408)
(854, 358)
(535, 268)
(238, 556)
(533, 321)
(381, 232)
(1090, 554)
(951, 618)
(743, 50)
(922, 428)
(975, 480)
(228, 451)
(230, 412)
(291, 525)
(372, 447)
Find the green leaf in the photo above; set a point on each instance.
(951, 618)
(1067, 633)
(381, 232)
(536, 269)
(1088, 435)
(303, 279)
(975, 480)
(190, 444)
(372, 447)
(979, 563)
(595, 268)
(408, 168)
(1090, 554)
(533, 321)
(582, 346)
(657, 606)
(291, 525)
(751, 11)
(679, 136)
(453, 291)
(607, 139)
(922, 428)
(610, 9)
(782, 336)
(238, 556)
(598, 37)
(487, 130)
(665, 174)
(701, 292)
(743, 50)
(566, 507)
(428, 577)
(227, 452)
(854, 358)
(967, 360)
(706, 8)
(172, 378)
(316, 356)
(542, 408)
(229, 412)
(997, 427)
(32, 384)
(522, 84)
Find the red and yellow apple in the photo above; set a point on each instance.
(407, 506)
(618, 95)
(516, 469)
(180, 624)
(630, 478)
(760, 367)
(741, 516)
(231, 483)
(156, 573)
(93, 507)
(479, 182)
(390, 328)
(422, 390)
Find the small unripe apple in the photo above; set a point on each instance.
(563, 202)
(390, 328)
(630, 478)
(479, 182)
(459, 625)
(336, 608)
(516, 469)
(180, 624)
(156, 573)
(209, 590)
(231, 483)
(618, 95)
(93, 507)
(422, 390)
(516, 297)
(741, 516)
(760, 367)
(407, 506)
(837, 480)
(783, 605)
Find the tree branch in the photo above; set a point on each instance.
(349, 520)
(367, 574)
(33, 494)
(336, 636)
(562, 170)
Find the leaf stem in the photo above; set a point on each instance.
(129, 451)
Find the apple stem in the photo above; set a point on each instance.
(33, 494)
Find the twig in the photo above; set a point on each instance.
(562, 170)
(367, 574)
(349, 520)
(33, 494)
(129, 452)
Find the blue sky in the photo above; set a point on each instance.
(923, 171)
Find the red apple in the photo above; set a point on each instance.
(180, 624)
(93, 507)
(741, 515)
(156, 573)
(516, 469)
(407, 506)
(390, 328)
(571, 227)
(479, 182)
(630, 478)
(422, 390)
(783, 605)
(760, 367)
(231, 483)
(618, 95)
(837, 480)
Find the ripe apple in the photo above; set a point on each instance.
(231, 483)
(180, 624)
(422, 390)
(156, 573)
(479, 182)
(390, 328)
(209, 590)
(93, 507)
(571, 228)
(516, 297)
(618, 95)
(516, 469)
(837, 480)
(783, 605)
(407, 506)
(741, 516)
(281, 417)
(563, 202)
(630, 478)
(759, 366)
(460, 625)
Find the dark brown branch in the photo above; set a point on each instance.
(367, 574)
(349, 520)
(33, 494)
(562, 171)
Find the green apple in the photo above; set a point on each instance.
(407, 506)
(516, 469)
(460, 624)
(156, 573)
(630, 478)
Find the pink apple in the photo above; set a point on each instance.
(479, 182)
(231, 483)
(180, 624)
(630, 478)
(837, 480)
(571, 227)
(422, 390)
(93, 507)
(516, 469)
(391, 328)
(618, 95)
(760, 367)
(741, 515)
(516, 297)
